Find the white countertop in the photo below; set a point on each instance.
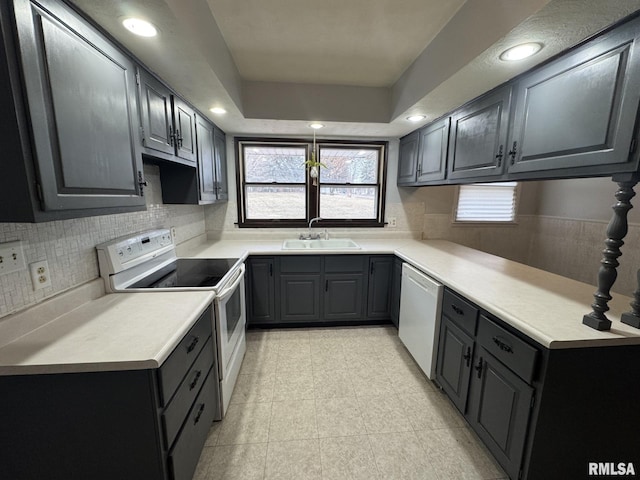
(123, 331)
(546, 307)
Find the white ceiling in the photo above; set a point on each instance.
(358, 66)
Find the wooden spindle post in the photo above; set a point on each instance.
(616, 231)
(633, 317)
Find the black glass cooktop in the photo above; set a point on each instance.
(188, 272)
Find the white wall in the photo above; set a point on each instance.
(69, 245)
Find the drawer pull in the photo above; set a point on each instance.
(505, 347)
(467, 356)
(193, 344)
(478, 367)
(199, 414)
(193, 384)
(457, 309)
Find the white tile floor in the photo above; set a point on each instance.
(339, 403)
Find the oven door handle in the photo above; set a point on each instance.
(229, 290)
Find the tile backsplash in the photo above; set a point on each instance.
(69, 245)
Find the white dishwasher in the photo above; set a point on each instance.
(420, 307)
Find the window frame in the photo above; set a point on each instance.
(312, 192)
(516, 204)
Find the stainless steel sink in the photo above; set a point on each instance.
(319, 244)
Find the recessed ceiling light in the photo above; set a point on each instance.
(218, 110)
(140, 27)
(316, 126)
(416, 118)
(521, 51)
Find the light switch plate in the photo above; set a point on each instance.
(11, 257)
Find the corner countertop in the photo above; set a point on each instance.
(546, 307)
(122, 331)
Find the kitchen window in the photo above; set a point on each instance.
(275, 188)
(487, 203)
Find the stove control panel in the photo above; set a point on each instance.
(125, 252)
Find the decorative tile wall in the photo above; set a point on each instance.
(69, 245)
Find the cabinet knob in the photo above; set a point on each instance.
(467, 356)
(499, 155)
(193, 344)
(479, 367)
(513, 152)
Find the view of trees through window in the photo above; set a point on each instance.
(275, 184)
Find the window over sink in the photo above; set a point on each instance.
(276, 187)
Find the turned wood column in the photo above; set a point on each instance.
(607, 274)
(633, 317)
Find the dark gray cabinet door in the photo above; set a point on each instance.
(261, 290)
(343, 296)
(499, 406)
(478, 137)
(220, 152)
(579, 111)
(299, 297)
(155, 112)
(206, 160)
(455, 353)
(185, 132)
(408, 159)
(432, 152)
(396, 287)
(81, 97)
(379, 294)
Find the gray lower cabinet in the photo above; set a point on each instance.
(129, 424)
(396, 286)
(70, 135)
(455, 353)
(205, 184)
(316, 289)
(261, 290)
(478, 136)
(168, 123)
(526, 402)
(379, 294)
(408, 159)
(299, 280)
(577, 114)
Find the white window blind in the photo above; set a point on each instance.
(487, 202)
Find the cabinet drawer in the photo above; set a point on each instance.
(460, 311)
(300, 264)
(173, 416)
(515, 353)
(184, 456)
(177, 365)
(344, 263)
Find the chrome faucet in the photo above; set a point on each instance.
(309, 235)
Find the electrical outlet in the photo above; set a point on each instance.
(173, 234)
(40, 274)
(391, 222)
(11, 257)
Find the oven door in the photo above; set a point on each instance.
(230, 321)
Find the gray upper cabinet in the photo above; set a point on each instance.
(206, 160)
(220, 163)
(205, 184)
(432, 152)
(576, 115)
(408, 161)
(68, 96)
(478, 136)
(168, 123)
